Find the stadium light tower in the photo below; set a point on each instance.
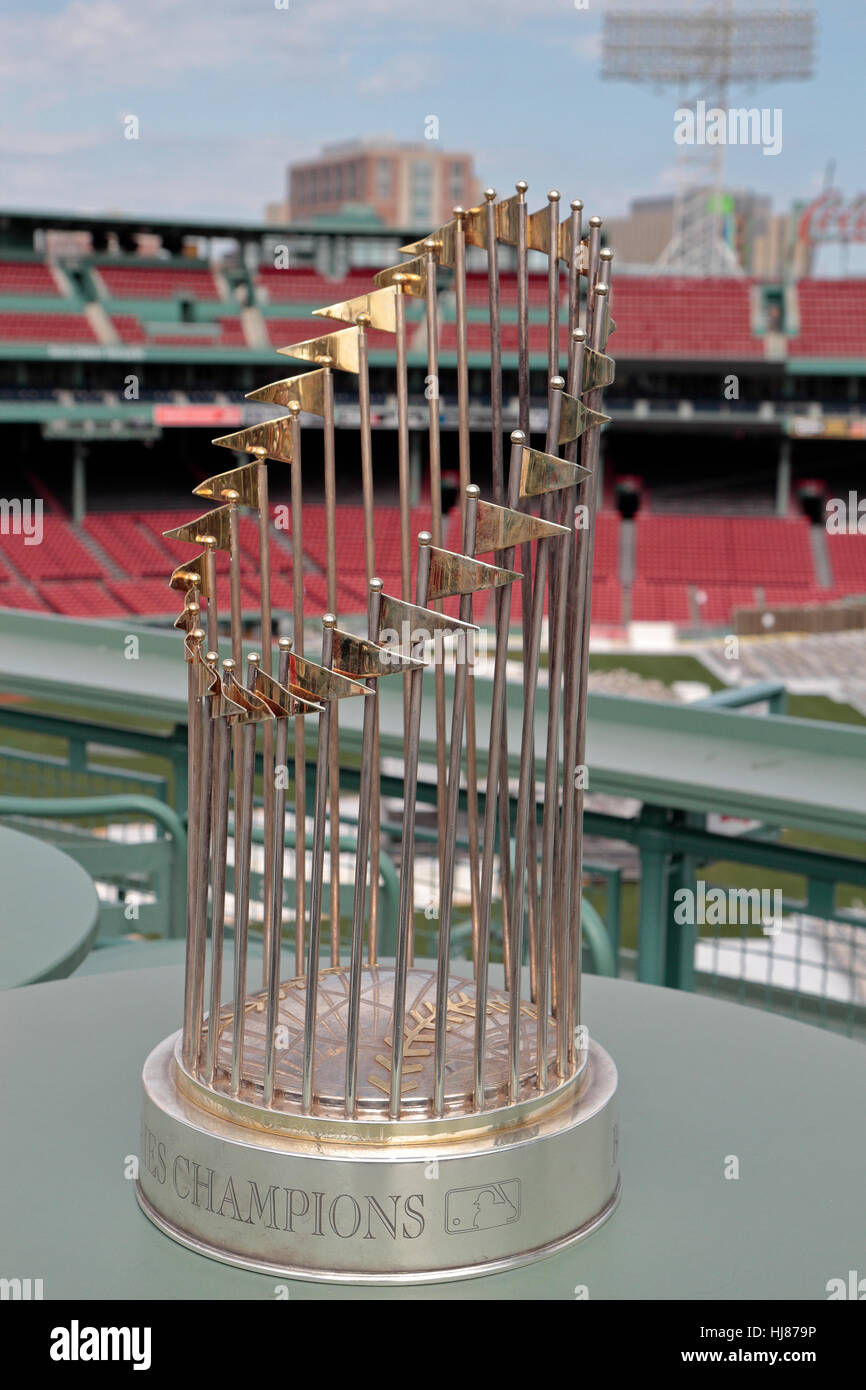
(701, 52)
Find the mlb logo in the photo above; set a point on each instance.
(482, 1208)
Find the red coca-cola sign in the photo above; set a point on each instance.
(830, 218)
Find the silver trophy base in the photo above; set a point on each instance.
(435, 1207)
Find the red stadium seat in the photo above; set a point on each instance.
(27, 278)
(156, 282)
(832, 319)
(45, 328)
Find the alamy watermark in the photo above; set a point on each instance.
(716, 907)
(846, 517)
(22, 516)
(739, 125)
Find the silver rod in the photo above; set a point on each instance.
(407, 850)
(464, 468)
(333, 722)
(220, 815)
(525, 799)
(245, 772)
(203, 837)
(462, 358)
(193, 715)
(235, 578)
(553, 283)
(556, 620)
(522, 310)
(589, 458)
(446, 902)
(564, 870)
(403, 444)
(267, 666)
(209, 564)
(497, 721)
(362, 848)
(300, 754)
(329, 622)
(595, 226)
(498, 481)
(275, 831)
(576, 220)
(363, 321)
(402, 382)
(525, 550)
(433, 408)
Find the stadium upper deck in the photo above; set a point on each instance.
(762, 385)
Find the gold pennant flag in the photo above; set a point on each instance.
(356, 657)
(251, 710)
(576, 418)
(598, 369)
(414, 275)
(378, 305)
(411, 623)
(188, 620)
(307, 679)
(566, 248)
(192, 647)
(221, 704)
(338, 350)
(215, 523)
(191, 575)
(272, 439)
(452, 574)
(541, 473)
(475, 226)
(443, 245)
(501, 528)
(281, 701)
(538, 231)
(307, 391)
(506, 219)
(244, 481)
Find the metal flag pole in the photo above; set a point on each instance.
(192, 645)
(282, 703)
(460, 226)
(275, 831)
(329, 622)
(300, 729)
(546, 975)
(366, 806)
(419, 622)
(452, 574)
(498, 481)
(541, 474)
(435, 463)
(334, 352)
(247, 485)
(245, 771)
(499, 529)
(220, 710)
(374, 848)
(202, 850)
(356, 658)
(594, 371)
(573, 617)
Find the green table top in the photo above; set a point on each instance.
(50, 911)
(700, 1080)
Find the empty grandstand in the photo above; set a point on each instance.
(736, 413)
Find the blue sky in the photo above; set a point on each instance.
(227, 92)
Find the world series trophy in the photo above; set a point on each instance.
(398, 1120)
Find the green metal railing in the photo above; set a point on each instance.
(43, 753)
